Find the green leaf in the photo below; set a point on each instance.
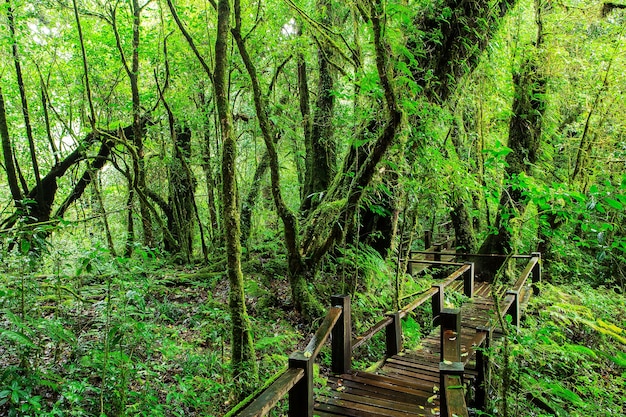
(20, 338)
(564, 393)
(614, 203)
(581, 349)
(25, 246)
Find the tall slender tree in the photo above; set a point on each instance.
(243, 357)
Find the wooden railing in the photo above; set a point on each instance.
(443, 237)
(297, 380)
(435, 294)
(451, 369)
(516, 294)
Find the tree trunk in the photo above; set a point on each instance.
(7, 151)
(137, 153)
(243, 357)
(207, 166)
(460, 215)
(524, 140)
(448, 48)
(250, 201)
(181, 196)
(321, 150)
(25, 112)
(304, 301)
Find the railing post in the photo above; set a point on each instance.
(301, 395)
(437, 250)
(468, 281)
(342, 336)
(480, 399)
(536, 273)
(514, 310)
(450, 364)
(428, 238)
(450, 331)
(393, 335)
(437, 304)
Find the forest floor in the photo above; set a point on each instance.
(155, 341)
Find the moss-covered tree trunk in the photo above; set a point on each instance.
(207, 166)
(321, 146)
(458, 198)
(181, 196)
(524, 139)
(302, 297)
(251, 199)
(243, 357)
(445, 49)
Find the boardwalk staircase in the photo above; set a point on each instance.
(440, 377)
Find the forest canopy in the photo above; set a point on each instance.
(266, 154)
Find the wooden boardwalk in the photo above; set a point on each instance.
(437, 378)
(407, 384)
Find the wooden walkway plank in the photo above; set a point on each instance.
(376, 405)
(360, 388)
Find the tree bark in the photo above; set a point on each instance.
(182, 186)
(250, 201)
(207, 166)
(524, 139)
(132, 70)
(322, 147)
(7, 151)
(448, 47)
(49, 181)
(303, 300)
(25, 111)
(243, 357)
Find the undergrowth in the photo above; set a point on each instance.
(115, 337)
(569, 356)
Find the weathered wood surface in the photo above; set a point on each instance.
(456, 397)
(408, 384)
(266, 401)
(321, 335)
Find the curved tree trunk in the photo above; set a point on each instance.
(302, 298)
(250, 201)
(445, 50)
(207, 166)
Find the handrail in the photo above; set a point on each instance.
(472, 255)
(427, 294)
(451, 368)
(521, 281)
(433, 262)
(512, 300)
(323, 332)
(456, 274)
(264, 403)
(359, 340)
(297, 380)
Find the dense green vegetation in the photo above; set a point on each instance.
(187, 183)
